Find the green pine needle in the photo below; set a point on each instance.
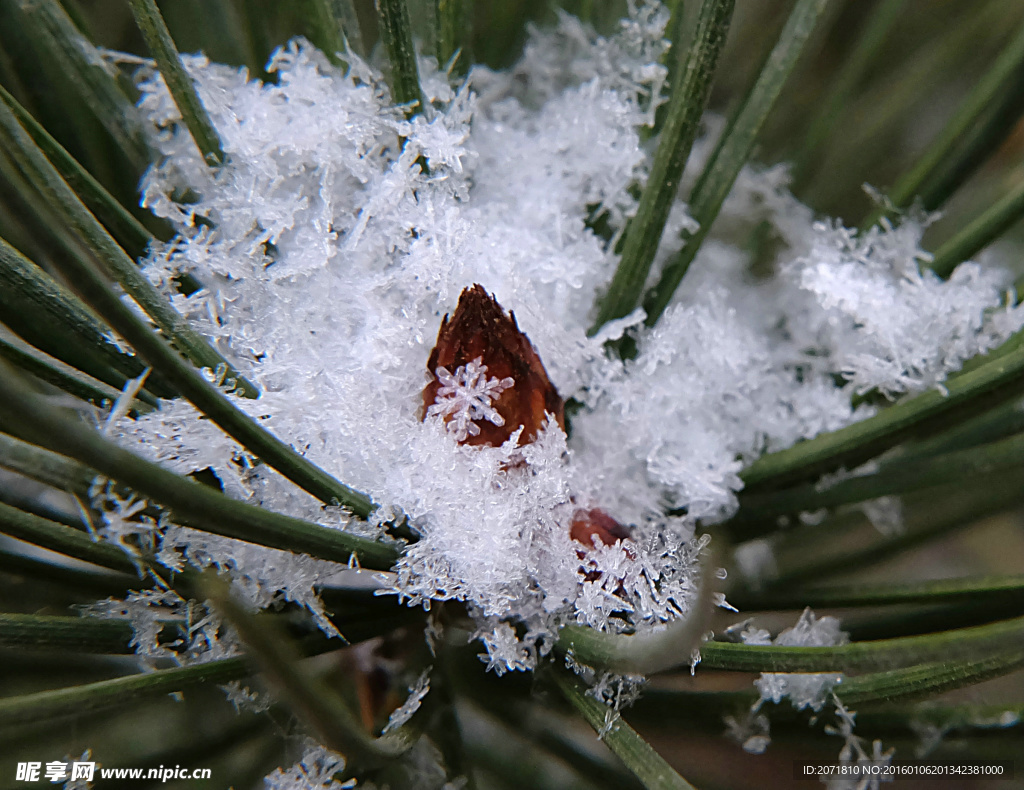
(396, 35)
(183, 90)
(649, 767)
(966, 395)
(1007, 65)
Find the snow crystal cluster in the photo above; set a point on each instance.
(803, 689)
(867, 770)
(328, 256)
(316, 770)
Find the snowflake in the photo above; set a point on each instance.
(466, 396)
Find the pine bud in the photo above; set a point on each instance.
(494, 373)
(590, 526)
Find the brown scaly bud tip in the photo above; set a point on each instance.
(590, 526)
(487, 379)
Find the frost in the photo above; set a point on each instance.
(615, 692)
(202, 638)
(145, 611)
(261, 577)
(328, 256)
(466, 396)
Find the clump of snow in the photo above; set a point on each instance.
(812, 690)
(894, 327)
(328, 257)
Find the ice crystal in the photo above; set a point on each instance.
(328, 255)
(244, 699)
(853, 755)
(751, 731)
(615, 692)
(145, 611)
(315, 771)
(202, 636)
(417, 692)
(465, 396)
(894, 327)
(80, 783)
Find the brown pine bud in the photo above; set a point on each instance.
(590, 526)
(487, 377)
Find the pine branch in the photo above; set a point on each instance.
(871, 37)
(79, 634)
(68, 379)
(983, 142)
(89, 584)
(102, 249)
(979, 232)
(93, 79)
(122, 224)
(550, 734)
(206, 397)
(452, 19)
(120, 692)
(927, 679)
(44, 466)
(192, 504)
(65, 540)
(963, 644)
(848, 542)
(896, 477)
(996, 380)
(980, 589)
(54, 320)
(338, 27)
(313, 702)
(990, 426)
